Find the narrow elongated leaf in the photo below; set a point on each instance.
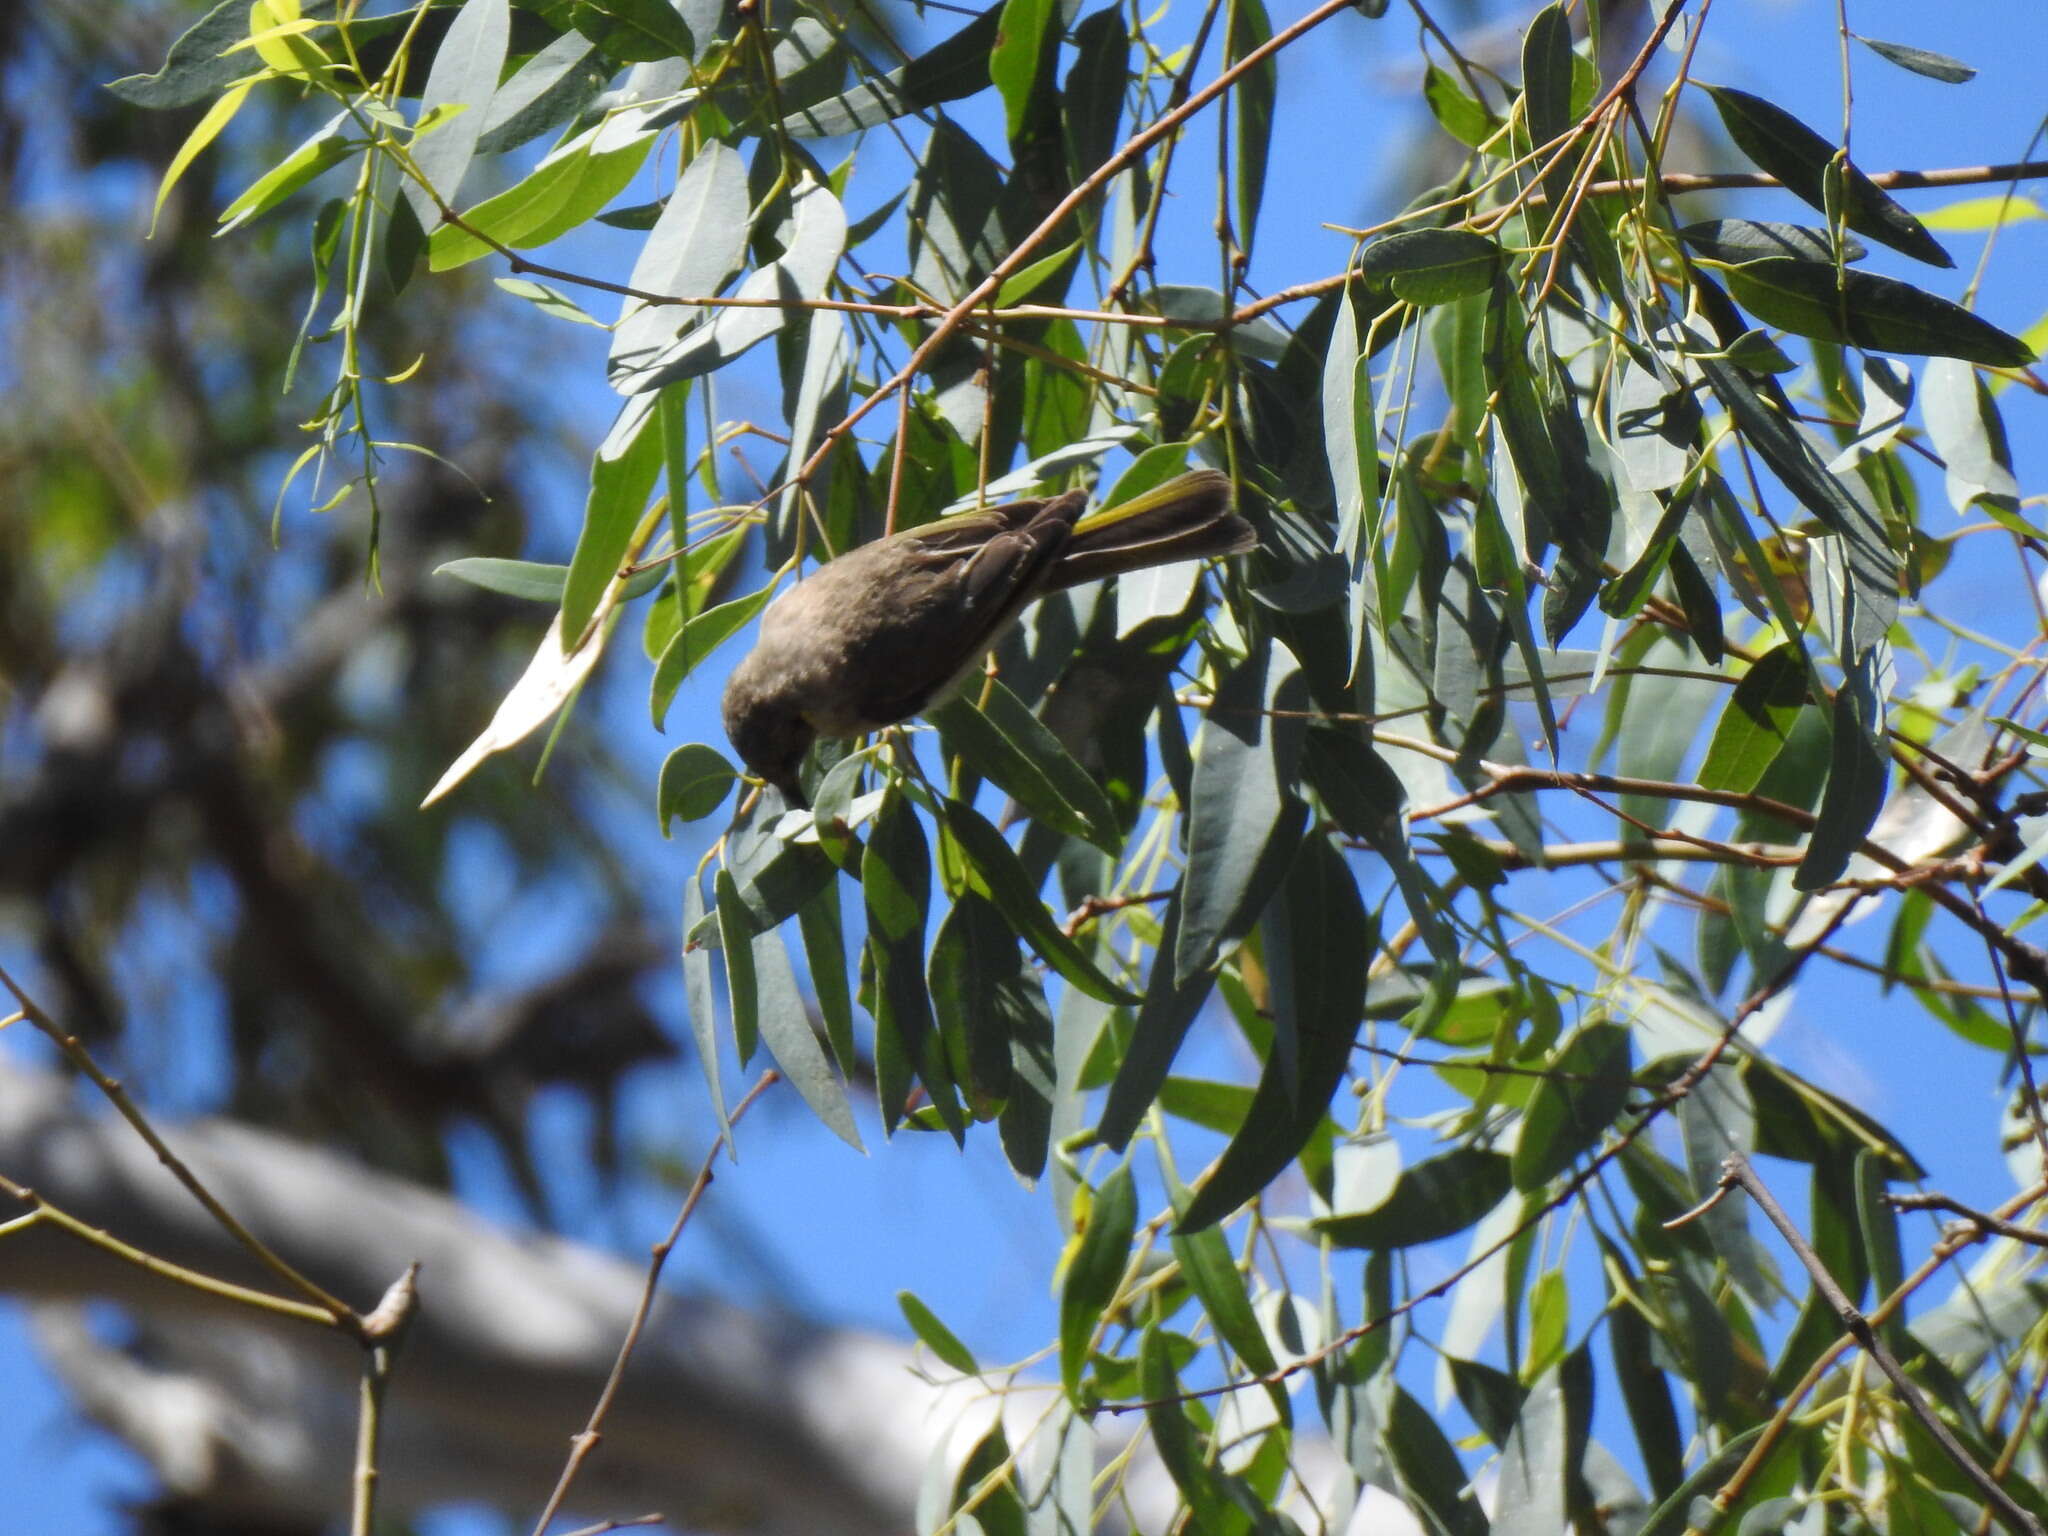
(957, 67)
(697, 996)
(698, 242)
(996, 870)
(736, 930)
(1013, 59)
(1969, 434)
(1867, 310)
(543, 93)
(1874, 566)
(1005, 743)
(1318, 942)
(1180, 1445)
(621, 479)
(1243, 817)
(812, 246)
(564, 190)
(785, 1026)
(1163, 1019)
(1922, 61)
(1738, 240)
(1093, 1272)
(465, 75)
(197, 65)
(936, 1336)
(1092, 100)
(1251, 110)
(1434, 1198)
(1777, 142)
(1857, 771)
(1460, 114)
(896, 881)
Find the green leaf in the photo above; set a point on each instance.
(531, 579)
(549, 301)
(957, 67)
(465, 75)
(693, 784)
(697, 243)
(978, 992)
(1013, 59)
(1870, 311)
(634, 31)
(1001, 740)
(1243, 819)
(1020, 284)
(736, 930)
(825, 953)
(895, 878)
(198, 64)
(1435, 1198)
(1163, 1021)
(1778, 143)
(697, 996)
(785, 1028)
(1972, 215)
(812, 242)
(324, 150)
(1181, 1447)
(1547, 76)
(1644, 1390)
(698, 639)
(1252, 100)
(1318, 942)
(1433, 266)
(1094, 1271)
(1461, 115)
(1935, 66)
(546, 91)
(936, 1336)
(1756, 721)
(1967, 431)
(995, 869)
(1857, 774)
(1570, 1110)
(1214, 1277)
(203, 133)
(622, 477)
(1092, 100)
(563, 191)
(1739, 240)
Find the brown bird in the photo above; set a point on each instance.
(891, 628)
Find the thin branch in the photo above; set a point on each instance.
(1737, 1172)
(586, 1441)
(1997, 1226)
(339, 1312)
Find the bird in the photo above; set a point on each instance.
(891, 628)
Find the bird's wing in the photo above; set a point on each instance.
(971, 584)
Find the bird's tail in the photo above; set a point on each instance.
(1187, 518)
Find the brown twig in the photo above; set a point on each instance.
(339, 1312)
(1736, 1172)
(586, 1440)
(1996, 1226)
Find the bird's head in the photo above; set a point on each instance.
(769, 734)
